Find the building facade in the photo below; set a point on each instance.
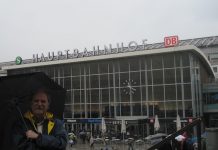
(135, 86)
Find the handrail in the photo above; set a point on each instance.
(196, 122)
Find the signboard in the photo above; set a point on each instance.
(171, 41)
(152, 120)
(18, 60)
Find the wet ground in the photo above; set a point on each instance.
(119, 146)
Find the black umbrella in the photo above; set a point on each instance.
(15, 98)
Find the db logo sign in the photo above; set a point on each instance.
(171, 41)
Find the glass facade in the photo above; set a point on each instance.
(142, 86)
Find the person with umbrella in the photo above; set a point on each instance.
(39, 130)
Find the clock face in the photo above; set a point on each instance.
(128, 87)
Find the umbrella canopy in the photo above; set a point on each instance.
(178, 123)
(16, 92)
(123, 126)
(103, 125)
(19, 89)
(156, 123)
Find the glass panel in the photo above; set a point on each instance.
(82, 82)
(77, 112)
(105, 110)
(157, 62)
(142, 63)
(75, 82)
(124, 65)
(188, 109)
(125, 94)
(158, 93)
(177, 60)
(95, 111)
(178, 75)
(148, 63)
(76, 96)
(94, 81)
(170, 92)
(67, 70)
(168, 60)
(134, 64)
(83, 68)
(88, 108)
(82, 110)
(116, 66)
(88, 93)
(68, 111)
(112, 111)
(125, 109)
(82, 95)
(151, 109)
(186, 75)
(136, 109)
(187, 91)
(124, 79)
(104, 81)
(117, 81)
(75, 70)
(103, 67)
(111, 82)
(149, 77)
(61, 82)
(150, 93)
(143, 78)
(61, 71)
(169, 75)
(180, 109)
(111, 95)
(157, 76)
(135, 76)
(179, 92)
(93, 68)
(185, 59)
(67, 83)
(171, 109)
(118, 107)
(143, 93)
(159, 109)
(95, 96)
(68, 99)
(110, 66)
(105, 95)
(136, 94)
(118, 92)
(144, 109)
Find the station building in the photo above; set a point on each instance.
(133, 83)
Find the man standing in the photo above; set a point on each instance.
(42, 131)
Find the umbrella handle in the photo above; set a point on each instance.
(21, 115)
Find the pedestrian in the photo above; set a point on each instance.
(42, 130)
(91, 142)
(130, 145)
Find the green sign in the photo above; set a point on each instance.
(18, 60)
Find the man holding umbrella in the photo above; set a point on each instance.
(39, 130)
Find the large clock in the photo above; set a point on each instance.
(128, 87)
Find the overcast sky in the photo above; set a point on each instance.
(30, 27)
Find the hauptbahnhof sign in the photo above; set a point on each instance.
(68, 54)
(170, 41)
